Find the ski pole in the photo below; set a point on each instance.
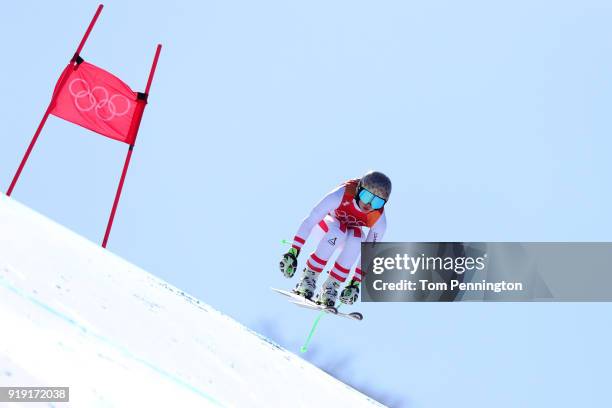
(304, 348)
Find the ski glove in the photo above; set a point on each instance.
(350, 293)
(288, 263)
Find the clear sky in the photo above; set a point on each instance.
(491, 118)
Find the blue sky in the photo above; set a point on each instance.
(491, 118)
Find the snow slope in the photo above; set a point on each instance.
(73, 314)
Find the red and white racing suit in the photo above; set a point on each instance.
(339, 217)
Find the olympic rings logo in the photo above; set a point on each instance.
(348, 219)
(97, 99)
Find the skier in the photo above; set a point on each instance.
(341, 214)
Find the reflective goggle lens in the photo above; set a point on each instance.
(370, 198)
(366, 196)
(377, 203)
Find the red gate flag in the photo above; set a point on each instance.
(97, 100)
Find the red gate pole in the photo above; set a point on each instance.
(49, 108)
(109, 226)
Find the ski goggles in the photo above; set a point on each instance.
(369, 197)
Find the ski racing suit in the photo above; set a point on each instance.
(341, 220)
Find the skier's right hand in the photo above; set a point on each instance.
(288, 263)
(350, 293)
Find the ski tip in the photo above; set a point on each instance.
(331, 309)
(356, 315)
(303, 349)
(284, 292)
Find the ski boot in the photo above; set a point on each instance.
(307, 285)
(350, 293)
(288, 263)
(328, 294)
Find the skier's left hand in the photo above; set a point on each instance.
(350, 293)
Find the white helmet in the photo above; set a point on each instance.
(377, 183)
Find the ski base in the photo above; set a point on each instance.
(309, 304)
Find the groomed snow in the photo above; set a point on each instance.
(73, 314)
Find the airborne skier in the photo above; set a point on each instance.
(341, 214)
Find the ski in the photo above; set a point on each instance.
(309, 304)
